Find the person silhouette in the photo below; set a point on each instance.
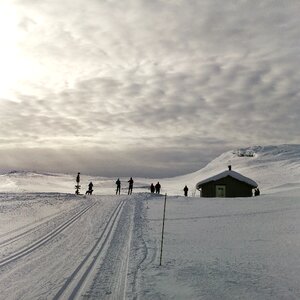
(157, 188)
(118, 183)
(152, 188)
(185, 189)
(256, 192)
(90, 190)
(130, 187)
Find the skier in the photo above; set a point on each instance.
(130, 186)
(186, 189)
(90, 190)
(152, 188)
(157, 188)
(118, 183)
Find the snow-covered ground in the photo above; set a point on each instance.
(55, 245)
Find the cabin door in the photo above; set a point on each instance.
(220, 191)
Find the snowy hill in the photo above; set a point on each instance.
(36, 182)
(274, 168)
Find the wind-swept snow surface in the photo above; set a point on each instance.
(223, 248)
(62, 246)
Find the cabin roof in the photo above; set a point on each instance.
(230, 173)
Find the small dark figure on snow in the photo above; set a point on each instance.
(90, 186)
(130, 187)
(185, 189)
(77, 186)
(157, 188)
(256, 192)
(118, 183)
(152, 188)
(90, 190)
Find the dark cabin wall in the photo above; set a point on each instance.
(234, 188)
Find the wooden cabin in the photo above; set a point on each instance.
(227, 184)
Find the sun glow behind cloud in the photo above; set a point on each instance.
(8, 49)
(25, 68)
(13, 66)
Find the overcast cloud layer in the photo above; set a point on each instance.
(145, 88)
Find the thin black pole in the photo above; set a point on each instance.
(162, 231)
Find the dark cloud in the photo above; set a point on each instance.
(158, 86)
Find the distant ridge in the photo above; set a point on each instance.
(29, 173)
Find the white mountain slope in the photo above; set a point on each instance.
(272, 167)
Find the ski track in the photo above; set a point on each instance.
(142, 252)
(43, 240)
(35, 227)
(110, 280)
(75, 284)
(111, 266)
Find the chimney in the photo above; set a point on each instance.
(229, 167)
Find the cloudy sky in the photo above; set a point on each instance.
(145, 88)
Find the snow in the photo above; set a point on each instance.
(55, 245)
(224, 249)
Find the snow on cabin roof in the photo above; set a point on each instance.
(230, 173)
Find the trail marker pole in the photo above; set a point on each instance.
(162, 231)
